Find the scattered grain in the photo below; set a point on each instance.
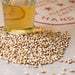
(60, 60)
(37, 74)
(72, 70)
(70, 61)
(66, 61)
(74, 56)
(42, 71)
(63, 73)
(40, 65)
(28, 66)
(73, 60)
(35, 66)
(7, 61)
(64, 69)
(26, 73)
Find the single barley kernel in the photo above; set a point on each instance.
(60, 60)
(28, 66)
(73, 60)
(70, 61)
(35, 66)
(74, 56)
(26, 73)
(66, 61)
(63, 73)
(7, 61)
(64, 69)
(40, 65)
(1, 57)
(72, 70)
(42, 71)
(37, 74)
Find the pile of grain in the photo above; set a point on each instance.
(42, 47)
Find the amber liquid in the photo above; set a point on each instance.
(18, 19)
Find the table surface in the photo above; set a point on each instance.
(57, 68)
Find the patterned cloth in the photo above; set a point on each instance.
(55, 13)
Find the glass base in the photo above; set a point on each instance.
(19, 31)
